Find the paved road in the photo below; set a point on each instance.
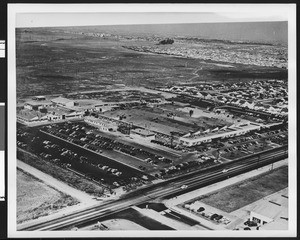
(168, 189)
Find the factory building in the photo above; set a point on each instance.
(142, 133)
(101, 124)
(193, 139)
(63, 102)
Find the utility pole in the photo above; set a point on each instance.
(272, 166)
(172, 138)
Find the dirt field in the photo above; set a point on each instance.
(236, 196)
(36, 199)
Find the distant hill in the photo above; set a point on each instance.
(166, 41)
(264, 32)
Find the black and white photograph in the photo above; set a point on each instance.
(152, 120)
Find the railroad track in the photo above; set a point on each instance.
(165, 189)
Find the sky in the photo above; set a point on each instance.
(254, 27)
(48, 19)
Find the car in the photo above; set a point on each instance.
(184, 187)
(224, 170)
(214, 216)
(201, 209)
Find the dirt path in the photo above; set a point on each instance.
(83, 197)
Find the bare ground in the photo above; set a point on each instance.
(36, 199)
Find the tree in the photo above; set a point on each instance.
(191, 112)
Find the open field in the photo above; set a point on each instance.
(239, 195)
(36, 199)
(49, 62)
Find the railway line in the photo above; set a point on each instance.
(166, 189)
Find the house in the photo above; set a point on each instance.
(284, 110)
(199, 94)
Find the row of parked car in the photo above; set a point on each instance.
(212, 216)
(281, 139)
(65, 157)
(166, 144)
(82, 134)
(179, 168)
(243, 147)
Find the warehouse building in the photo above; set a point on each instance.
(101, 124)
(63, 102)
(271, 213)
(142, 133)
(193, 139)
(36, 105)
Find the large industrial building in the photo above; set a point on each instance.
(193, 139)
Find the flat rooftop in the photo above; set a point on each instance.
(29, 114)
(38, 102)
(151, 120)
(274, 206)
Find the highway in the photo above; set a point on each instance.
(167, 189)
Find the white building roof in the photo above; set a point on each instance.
(279, 224)
(142, 132)
(61, 100)
(269, 210)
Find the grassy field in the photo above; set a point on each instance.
(36, 199)
(61, 174)
(236, 196)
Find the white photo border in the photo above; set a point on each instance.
(285, 12)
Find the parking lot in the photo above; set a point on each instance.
(250, 143)
(112, 160)
(90, 138)
(97, 168)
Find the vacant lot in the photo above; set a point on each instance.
(49, 62)
(236, 196)
(36, 199)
